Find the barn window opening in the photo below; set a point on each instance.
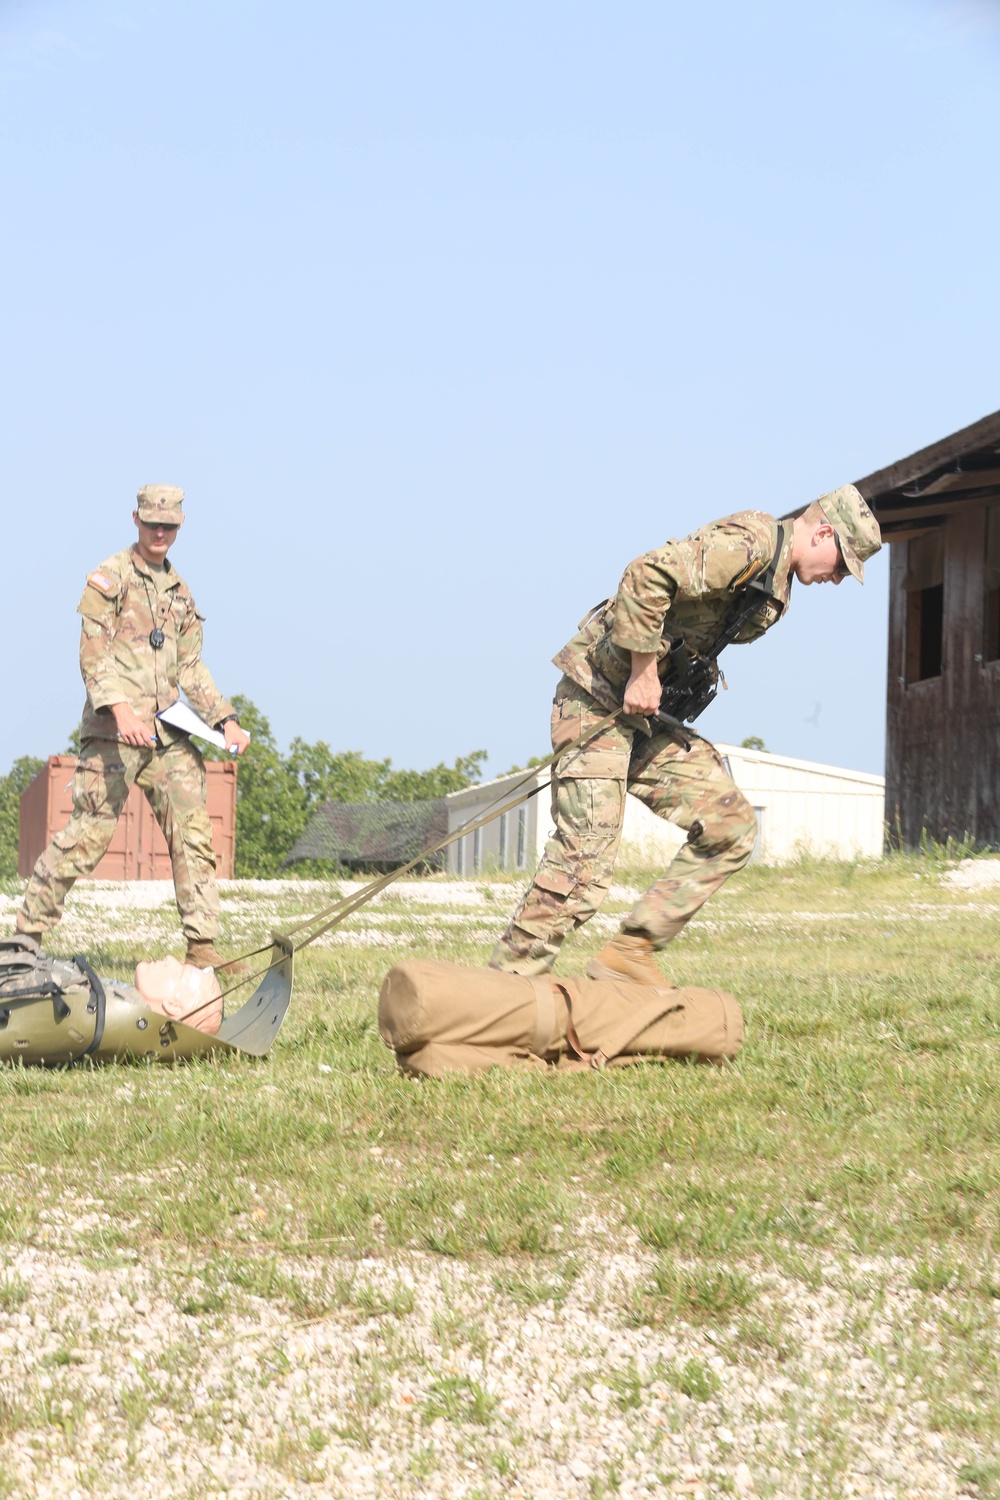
(924, 585)
(991, 583)
(925, 632)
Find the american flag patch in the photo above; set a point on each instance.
(100, 582)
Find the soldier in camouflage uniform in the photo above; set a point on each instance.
(140, 647)
(618, 660)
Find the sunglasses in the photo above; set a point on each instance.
(168, 526)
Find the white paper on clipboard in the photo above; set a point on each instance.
(181, 716)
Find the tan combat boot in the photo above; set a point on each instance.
(202, 955)
(22, 930)
(627, 956)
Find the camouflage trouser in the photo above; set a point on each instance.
(173, 779)
(689, 787)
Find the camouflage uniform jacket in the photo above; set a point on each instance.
(121, 606)
(685, 588)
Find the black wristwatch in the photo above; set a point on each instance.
(229, 719)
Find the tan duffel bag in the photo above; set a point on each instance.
(439, 1018)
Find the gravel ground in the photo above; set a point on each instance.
(425, 1377)
(453, 1388)
(145, 914)
(975, 874)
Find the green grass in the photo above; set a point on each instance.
(456, 1398)
(985, 1477)
(860, 1124)
(14, 1292)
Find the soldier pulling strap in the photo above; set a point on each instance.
(685, 697)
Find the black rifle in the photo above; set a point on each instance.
(693, 679)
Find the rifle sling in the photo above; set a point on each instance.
(746, 604)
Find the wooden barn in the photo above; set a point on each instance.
(939, 511)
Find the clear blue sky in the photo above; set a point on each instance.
(441, 313)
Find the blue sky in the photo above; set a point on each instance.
(441, 313)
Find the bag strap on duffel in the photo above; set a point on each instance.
(625, 1032)
(545, 1016)
(662, 1004)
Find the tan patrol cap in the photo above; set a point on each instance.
(857, 529)
(161, 502)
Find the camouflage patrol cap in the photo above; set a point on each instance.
(161, 502)
(856, 528)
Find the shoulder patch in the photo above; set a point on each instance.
(101, 581)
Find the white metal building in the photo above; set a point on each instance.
(800, 805)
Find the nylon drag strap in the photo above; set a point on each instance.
(331, 916)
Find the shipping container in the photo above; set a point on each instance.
(138, 850)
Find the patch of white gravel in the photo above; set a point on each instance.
(116, 1382)
(144, 912)
(431, 912)
(974, 875)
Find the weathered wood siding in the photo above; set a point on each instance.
(943, 734)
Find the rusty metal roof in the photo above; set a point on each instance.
(918, 493)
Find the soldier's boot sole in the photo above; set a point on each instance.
(628, 956)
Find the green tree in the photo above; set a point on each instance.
(754, 742)
(327, 775)
(276, 795)
(418, 786)
(12, 785)
(270, 804)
